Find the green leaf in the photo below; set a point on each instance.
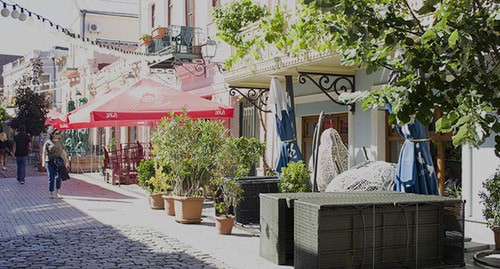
(452, 40)
(429, 35)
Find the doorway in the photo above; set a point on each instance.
(338, 121)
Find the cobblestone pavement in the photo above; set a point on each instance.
(39, 232)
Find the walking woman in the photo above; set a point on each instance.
(4, 149)
(56, 162)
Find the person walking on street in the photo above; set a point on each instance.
(56, 161)
(4, 149)
(21, 148)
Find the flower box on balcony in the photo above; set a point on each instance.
(146, 39)
(159, 32)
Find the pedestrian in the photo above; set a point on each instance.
(4, 149)
(56, 161)
(21, 148)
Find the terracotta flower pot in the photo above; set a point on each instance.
(168, 202)
(188, 209)
(224, 224)
(156, 201)
(159, 32)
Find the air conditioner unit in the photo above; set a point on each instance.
(94, 28)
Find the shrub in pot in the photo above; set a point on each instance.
(230, 196)
(490, 198)
(246, 152)
(294, 178)
(189, 147)
(156, 186)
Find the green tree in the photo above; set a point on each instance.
(32, 107)
(3, 116)
(443, 54)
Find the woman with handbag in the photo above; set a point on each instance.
(4, 149)
(56, 162)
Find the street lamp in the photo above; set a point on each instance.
(209, 49)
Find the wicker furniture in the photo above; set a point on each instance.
(277, 221)
(248, 211)
(376, 231)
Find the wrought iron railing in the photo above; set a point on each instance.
(179, 39)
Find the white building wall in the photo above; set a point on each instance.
(477, 165)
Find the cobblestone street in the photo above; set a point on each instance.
(97, 225)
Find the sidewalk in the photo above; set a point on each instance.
(98, 225)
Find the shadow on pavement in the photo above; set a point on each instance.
(99, 246)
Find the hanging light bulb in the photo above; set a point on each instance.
(14, 14)
(22, 16)
(5, 11)
(30, 19)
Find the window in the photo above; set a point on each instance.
(190, 13)
(169, 12)
(153, 16)
(248, 119)
(249, 124)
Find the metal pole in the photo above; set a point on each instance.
(54, 80)
(289, 90)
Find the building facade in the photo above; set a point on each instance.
(362, 130)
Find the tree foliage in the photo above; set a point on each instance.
(32, 107)
(443, 54)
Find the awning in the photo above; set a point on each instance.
(148, 100)
(54, 117)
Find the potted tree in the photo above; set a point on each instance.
(294, 178)
(490, 198)
(189, 147)
(230, 196)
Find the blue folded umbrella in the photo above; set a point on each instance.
(415, 172)
(284, 115)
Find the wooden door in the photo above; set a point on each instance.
(337, 121)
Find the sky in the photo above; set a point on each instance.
(20, 38)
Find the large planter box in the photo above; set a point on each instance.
(248, 211)
(276, 222)
(376, 231)
(84, 164)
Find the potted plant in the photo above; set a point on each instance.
(490, 198)
(230, 196)
(159, 32)
(247, 152)
(295, 178)
(147, 39)
(146, 177)
(189, 147)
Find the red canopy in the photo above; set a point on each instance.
(54, 117)
(80, 117)
(150, 100)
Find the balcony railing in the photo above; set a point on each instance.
(179, 39)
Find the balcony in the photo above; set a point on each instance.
(181, 43)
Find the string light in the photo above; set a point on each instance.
(14, 14)
(29, 17)
(5, 11)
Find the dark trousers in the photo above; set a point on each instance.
(54, 178)
(21, 167)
